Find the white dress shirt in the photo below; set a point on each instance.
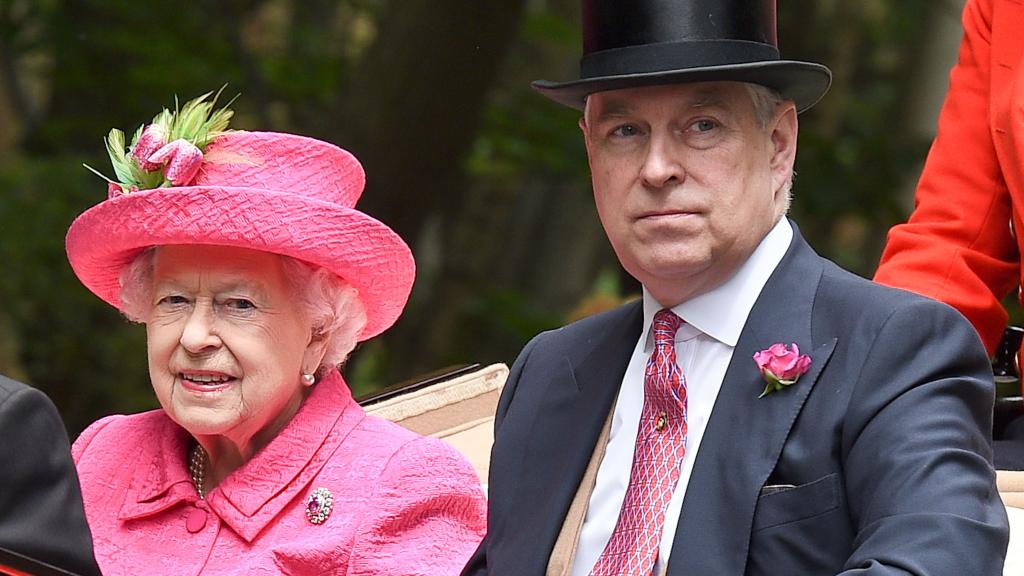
(704, 347)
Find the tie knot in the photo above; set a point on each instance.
(666, 324)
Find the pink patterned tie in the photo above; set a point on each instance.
(660, 444)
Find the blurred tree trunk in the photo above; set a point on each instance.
(413, 105)
(861, 138)
(20, 32)
(925, 62)
(928, 87)
(411, 112)
(81, 58)
(507, 236)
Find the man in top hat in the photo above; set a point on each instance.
(761, 411)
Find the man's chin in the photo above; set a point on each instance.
(675, 265)
(671, 281)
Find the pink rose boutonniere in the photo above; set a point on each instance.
(781, 366)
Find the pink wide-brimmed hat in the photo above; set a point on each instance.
(273, 192)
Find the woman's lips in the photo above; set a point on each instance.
(204, 382)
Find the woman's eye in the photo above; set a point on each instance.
(240, 304)
(172, 300)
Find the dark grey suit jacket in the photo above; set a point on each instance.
(886, 439)
(41, 514)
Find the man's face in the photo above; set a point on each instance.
(686, 180)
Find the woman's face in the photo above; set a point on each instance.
(228, 342)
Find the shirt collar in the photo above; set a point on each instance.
(722, 311)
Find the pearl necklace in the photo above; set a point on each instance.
(197, 469)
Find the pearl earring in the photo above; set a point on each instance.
(308, 379)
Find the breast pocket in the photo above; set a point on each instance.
(782, 505)
(296, 560)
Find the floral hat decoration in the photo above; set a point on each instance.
(185, 178)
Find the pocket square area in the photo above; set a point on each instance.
(776, 488)
(795, 503)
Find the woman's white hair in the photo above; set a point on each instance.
(332, 305)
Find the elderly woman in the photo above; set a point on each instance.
(255, 277)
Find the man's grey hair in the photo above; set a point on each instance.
(765, 101)
(331, 304)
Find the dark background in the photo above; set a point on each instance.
(486, 180)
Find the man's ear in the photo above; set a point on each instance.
(784, 130)
(586, 131)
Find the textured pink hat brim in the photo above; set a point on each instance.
(356, 247)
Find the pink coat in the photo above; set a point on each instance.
(403, 504)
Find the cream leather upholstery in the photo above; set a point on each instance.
(1011, 488)
(459, 411)
(1015, 552)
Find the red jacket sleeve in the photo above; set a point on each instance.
(957, 246)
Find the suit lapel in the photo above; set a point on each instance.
(734, 461)
(567, 422)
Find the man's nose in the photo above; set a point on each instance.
(200, 330)
(662, 164)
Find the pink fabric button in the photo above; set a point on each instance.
(196, 520)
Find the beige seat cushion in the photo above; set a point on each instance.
(1015, 551)
(1011, 488)
(459, 411)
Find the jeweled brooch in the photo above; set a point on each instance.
(319, 505)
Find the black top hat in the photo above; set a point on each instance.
(629, 43)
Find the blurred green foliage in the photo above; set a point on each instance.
(487, 181)
(94, 360)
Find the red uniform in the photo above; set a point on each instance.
(963, 241)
